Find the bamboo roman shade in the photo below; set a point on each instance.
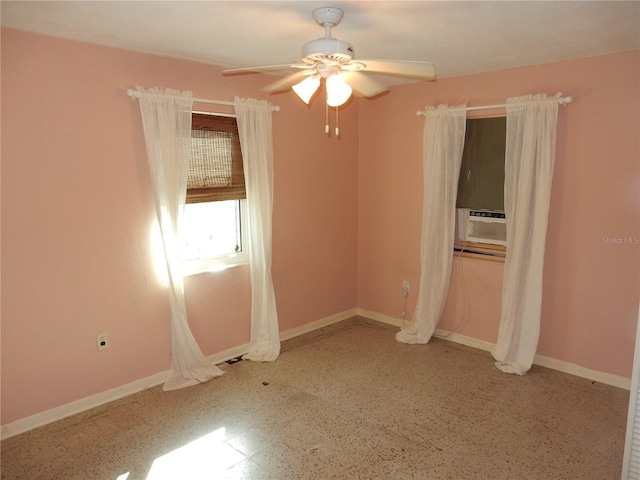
(215, 164)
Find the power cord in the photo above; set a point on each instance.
(461, 286)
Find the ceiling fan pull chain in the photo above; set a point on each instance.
(337, 128)
(326, 118)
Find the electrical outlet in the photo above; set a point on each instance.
(103, 341)
(405, 287)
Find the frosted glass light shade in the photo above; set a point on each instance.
(306, 88)
(338, 91)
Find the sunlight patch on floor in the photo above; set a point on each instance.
(196, 460)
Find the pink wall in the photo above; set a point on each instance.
(77, 212)
(591, 289)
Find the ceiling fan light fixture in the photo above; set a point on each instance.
(306, 88)
(338, 91)
(333, 60)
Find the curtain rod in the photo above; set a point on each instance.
(134, 95)
(564, 101)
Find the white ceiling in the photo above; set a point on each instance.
(459, 37)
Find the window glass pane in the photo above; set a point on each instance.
(481, 184)
(210, 230)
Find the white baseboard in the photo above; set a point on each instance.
(317, 324)
(78, 406)
(396, 322)
(92, 401)
(540, 360)
(579, 371)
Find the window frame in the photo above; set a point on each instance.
(215, 264)
(465, 248)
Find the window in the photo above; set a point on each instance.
(481, 186)
(211, 232)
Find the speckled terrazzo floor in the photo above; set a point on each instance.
(344, 402)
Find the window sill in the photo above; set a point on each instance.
(480, 251)
(190, 269)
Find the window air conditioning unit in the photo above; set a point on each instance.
(482, 226)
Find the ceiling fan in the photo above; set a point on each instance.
(333, 60)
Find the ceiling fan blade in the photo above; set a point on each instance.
(363, 84)
(401, 68)
(259, 69)
(288, 81)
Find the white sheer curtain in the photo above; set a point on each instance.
(166, 119)
(529, 162)
(444, 131)
(256, 141)
(631, 457)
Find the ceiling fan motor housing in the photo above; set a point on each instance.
(327, 49)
